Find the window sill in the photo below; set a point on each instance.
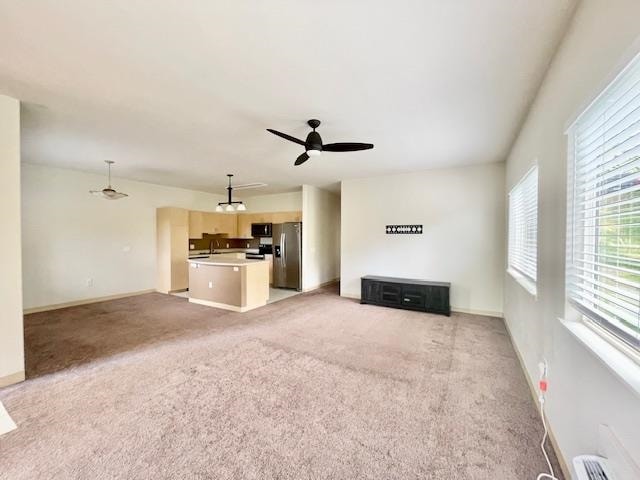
(618, 362)
(524, 282)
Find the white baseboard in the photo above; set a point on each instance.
(534, 393)
(86, 301)
(487, 313)
(350, 295)
(325, 284)
(11, 379)
(472, 311)
(225, 306)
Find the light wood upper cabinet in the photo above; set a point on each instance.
(196, 224)
(212, 223)
(282, 217)
(228, 224)
(244, 225)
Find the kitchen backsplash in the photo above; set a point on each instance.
(220, 241)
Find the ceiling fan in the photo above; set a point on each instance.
(108, 193)
(313, 144)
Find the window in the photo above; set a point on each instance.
(523, 230)
(603, 238)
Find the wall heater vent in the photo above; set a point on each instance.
(592, 467)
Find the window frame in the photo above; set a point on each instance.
(524, 278)
(623, 341)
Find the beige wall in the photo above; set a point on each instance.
(462, 211)
(583, 391)
(277, 202)
(11, 331)
(71, 238)
(320, 237)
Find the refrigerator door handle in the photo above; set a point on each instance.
(283, 247)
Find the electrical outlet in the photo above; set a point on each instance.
(227, 245)
(126, 248)
(543, 368)
(89, 282)
(210, 284)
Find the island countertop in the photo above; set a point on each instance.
(225, 262)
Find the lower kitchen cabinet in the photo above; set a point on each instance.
(405, 293)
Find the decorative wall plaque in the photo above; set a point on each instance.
(404, 230)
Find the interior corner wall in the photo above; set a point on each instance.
(320, 237)
(11, 328)
(79, 247)
(583, 393)
(462, 212)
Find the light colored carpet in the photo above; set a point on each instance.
(311, 387)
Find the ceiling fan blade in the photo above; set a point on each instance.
(301, 159)
(108, 193)
(247, 186)
(346, 147)
(286, 137)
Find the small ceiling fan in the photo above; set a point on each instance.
(313, 144)
(108, 193)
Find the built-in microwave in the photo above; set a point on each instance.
(260, 230)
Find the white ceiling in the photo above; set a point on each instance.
(180, 92)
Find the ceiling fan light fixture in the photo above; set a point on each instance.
(108, 193)
(314, 146)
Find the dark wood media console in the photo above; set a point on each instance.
(405, 293)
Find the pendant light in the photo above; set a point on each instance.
(230, 205)
(108, 193)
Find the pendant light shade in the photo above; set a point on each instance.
(241, 207)
(219, 208)
(229, 208)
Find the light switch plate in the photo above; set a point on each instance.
(210, 284)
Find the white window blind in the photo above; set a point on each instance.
(523, 226)
(603, 254)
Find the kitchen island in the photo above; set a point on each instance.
(233, 284)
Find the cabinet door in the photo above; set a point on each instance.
(438, 299)
(390, 294)
(244, 225)
(413, 296)
(262, 217)
(282, 217)
(196, 227)
(210, 222)
(370, 291)
(229, 224)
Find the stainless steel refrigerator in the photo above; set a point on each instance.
(287, 255)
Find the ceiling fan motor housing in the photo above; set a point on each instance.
(314, 141)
